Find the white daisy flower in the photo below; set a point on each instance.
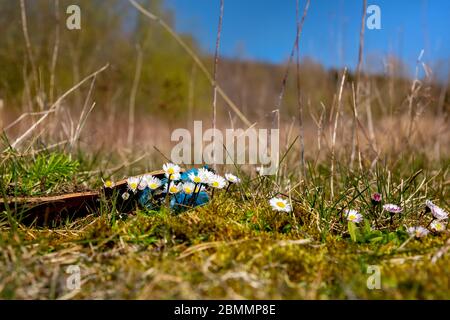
(279, 204)
(174, 188)
(108, 184)
(153, 182)
(125, 196)
(188, 187)
(195, 178)
(392, 208)
(170, 168)
(417, 232)
(206, 175)
(202, 176)
(429, 204)
(232, 178)
(217, 181)
(353, 216)
(133, 183)
(438, 226)
(437, 212)
(142, 183)
(173, 176)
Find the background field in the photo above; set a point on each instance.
(344, 135)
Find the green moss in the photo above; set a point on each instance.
(237, 247)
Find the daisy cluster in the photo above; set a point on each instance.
(181, 190)
(437, 224)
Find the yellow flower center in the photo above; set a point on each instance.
(281, 204)
(108, 184)
(197, 179)
(153, 185)
(188, 190)
(173, 189)
(215, 184)
(133, 185)
(171, 171)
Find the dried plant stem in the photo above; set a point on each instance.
(55, 52)
(216, 64)
(2, 106)
(354, 129)
(279, 101)
(191, 92)
(34, 71)
(291, 56)
(196, 59)
(27, 100)
(440, 113)
(132, 106)
(414, 91)
(361, 46)
(333, 141)
(55, 106)
(355, 136)
(370, 125)
(371, 136)
(319, 124)
(84, 115)
(23, 116)
(359, 67)
(299, 98)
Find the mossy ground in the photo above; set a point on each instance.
(236, 247)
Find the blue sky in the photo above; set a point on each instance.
(265, 30)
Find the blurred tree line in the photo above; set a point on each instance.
(169, 84)
(111, 32)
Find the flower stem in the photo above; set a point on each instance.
(167, 191)
(430, 222)
(198, 192)
(192, 199)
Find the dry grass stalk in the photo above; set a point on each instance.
(55, 52)
(132, 106)
(300, 104)
(355, 136)
(23, 15)
(216, 65)
(84, 115)
(196, 59)
(333, 141)
(55, 105)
